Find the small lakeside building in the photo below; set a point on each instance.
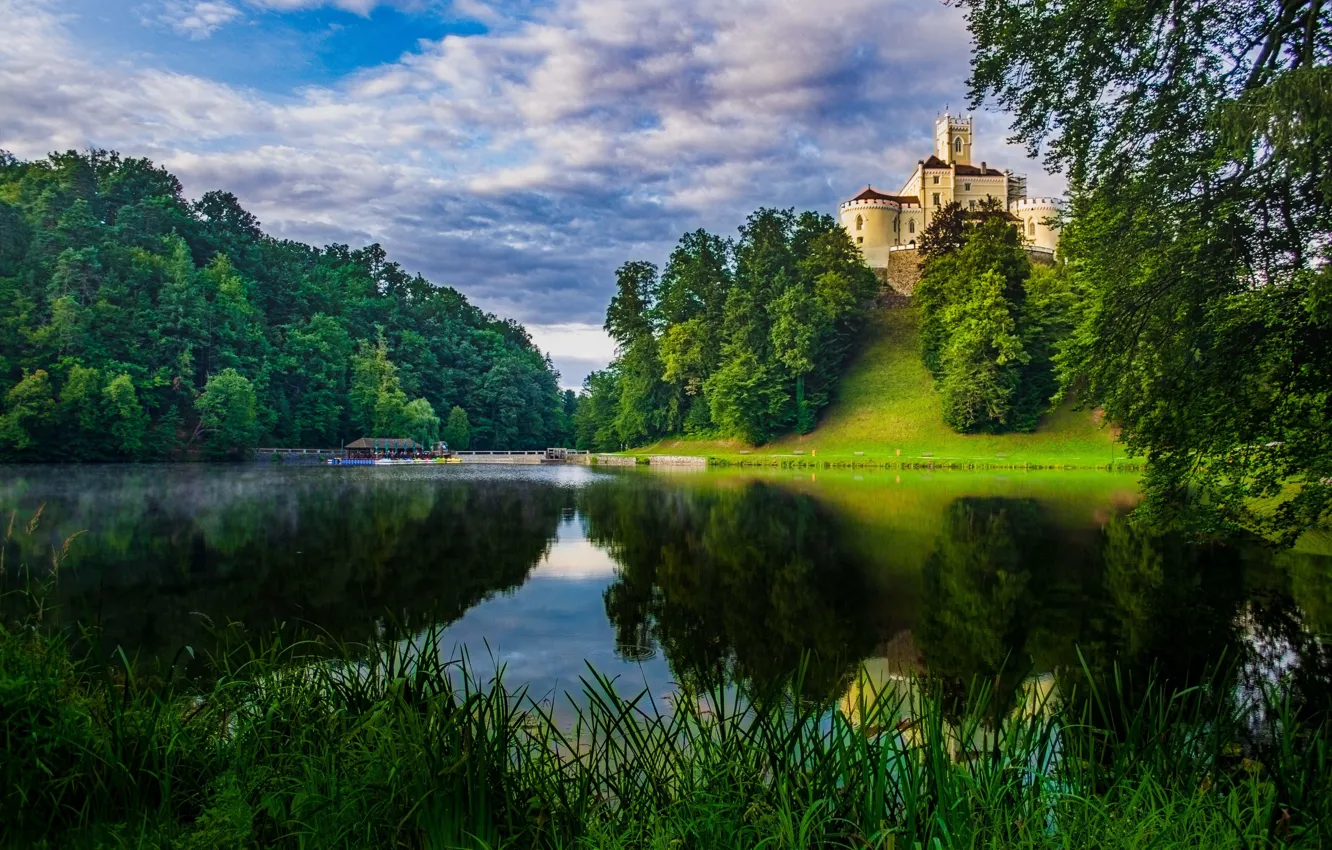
(375, 447)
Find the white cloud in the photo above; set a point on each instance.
(197, 19)
(524, 164)
(575, 559)
(576, 348)
(359, 7)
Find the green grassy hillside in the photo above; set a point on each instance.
(886, 407)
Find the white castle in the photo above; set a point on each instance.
(881, 224)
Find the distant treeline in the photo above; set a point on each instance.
(735, 338)
(135, 324)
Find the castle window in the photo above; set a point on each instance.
(860, 240)
(860, 223)
(971, 205)
(897, 223)
(1031, 226)
(936, 199)
(966, 187)
(957, 145)
(936, 180)
(911, 228)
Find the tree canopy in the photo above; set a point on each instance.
(135, 324)
(991, 320)
(1197, 139)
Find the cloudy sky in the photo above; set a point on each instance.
(518, 150)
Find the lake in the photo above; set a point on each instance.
(659, 578)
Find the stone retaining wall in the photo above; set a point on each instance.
(677, 460)
(902, 273)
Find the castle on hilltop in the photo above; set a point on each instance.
(882, 225)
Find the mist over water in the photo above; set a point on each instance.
(665, 580)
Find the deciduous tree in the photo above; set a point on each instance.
(1197, 139)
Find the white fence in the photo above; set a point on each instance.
(538, 456)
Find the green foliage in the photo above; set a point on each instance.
(594, 421)
(457, 432)
(947, 232)
(29, 413)
(227, 413)
(887, 403)
(980, 360)
(420, 422)
(1198, 144)
(988, 332)
(744, 339)
(120, 301)
(129, 421)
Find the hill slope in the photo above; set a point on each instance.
(886, 404)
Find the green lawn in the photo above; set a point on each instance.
(886, 407)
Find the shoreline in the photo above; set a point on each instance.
(801, 461)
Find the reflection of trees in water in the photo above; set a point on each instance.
(979, 597)
(740, 581)
(733, 583)
(1006, 590)
(342, 553)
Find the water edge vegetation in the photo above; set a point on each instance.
(310, 743)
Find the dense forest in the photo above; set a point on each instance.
(135, 324)
(736, 338)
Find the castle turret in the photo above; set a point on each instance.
(1036, 218)
(952, 139)
(877, 223)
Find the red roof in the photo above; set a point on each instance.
(966, 170)
(976, 171)
(872, 194)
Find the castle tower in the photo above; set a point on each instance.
(871, 219)
(1034, 218)
(952, 139)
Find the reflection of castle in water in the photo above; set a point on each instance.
(893, 692)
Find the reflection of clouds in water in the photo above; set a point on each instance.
(547, 632)
(573, 556)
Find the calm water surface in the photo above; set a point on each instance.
(658, 578)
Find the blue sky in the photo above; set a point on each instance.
(275, 47)
(518, 151)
